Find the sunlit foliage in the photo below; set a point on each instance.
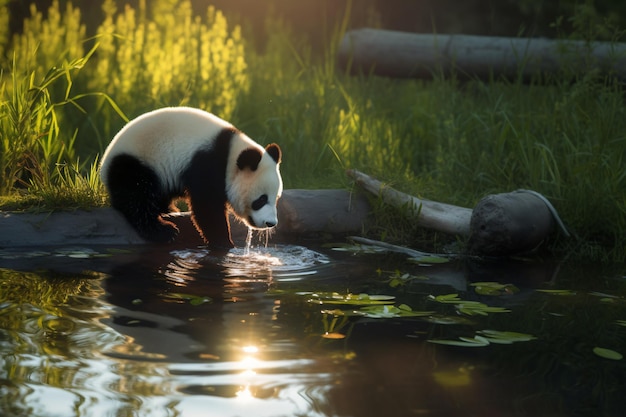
(167, 56)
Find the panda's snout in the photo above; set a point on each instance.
(262, 224)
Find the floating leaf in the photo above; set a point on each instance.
(486, 337)
(446, 298)
(498, 337)
(470, 308)
(474, 308)
(429, 260)
(356, 248)
(607, 353)
(396, 282)
(398, 279)
(494, 288)
(349, 299)
(389, 311)
(196, 301)
(462, 342)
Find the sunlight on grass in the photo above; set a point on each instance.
(441, 139)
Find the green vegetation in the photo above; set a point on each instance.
(64, 95)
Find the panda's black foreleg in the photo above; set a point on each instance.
(211, 220)
(136, 192)
(205, 188)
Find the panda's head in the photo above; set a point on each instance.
(256, 186)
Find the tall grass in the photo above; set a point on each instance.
(441, 139)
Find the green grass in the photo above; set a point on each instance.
(441, 139)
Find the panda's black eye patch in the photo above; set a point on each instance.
(259, 202)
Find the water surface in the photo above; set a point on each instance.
(294, 330)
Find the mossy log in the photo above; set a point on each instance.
(442, 217)
(500, 224)
(402, 54)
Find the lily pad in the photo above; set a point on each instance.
(468, 307)
(607, 353)
(356, 248)
(494, 288)
(349, 299)
(505, 338)
(399, 278)
(473, 308)
(462, 342)
(486, 337)
(389, 311)
(429, 260)
(446, 298)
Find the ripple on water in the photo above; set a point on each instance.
(284, 262)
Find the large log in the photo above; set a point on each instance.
(300, 212)
(510, 223)
(402, 54)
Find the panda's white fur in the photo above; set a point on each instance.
(186, 152)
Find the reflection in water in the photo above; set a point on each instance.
(134, 343)
(191, 333)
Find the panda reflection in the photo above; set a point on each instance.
(181, 152)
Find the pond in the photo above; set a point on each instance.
(306, 330)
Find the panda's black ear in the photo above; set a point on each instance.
(249, 158)
(274, 151)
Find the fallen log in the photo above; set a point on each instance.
(442, 217)
(300, 213)
(402, 54)
(500, 225)
(510, 223)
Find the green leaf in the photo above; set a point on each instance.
(196, 301)
(389, 311)
(494, 288)
(495, 336)
(607, 353)
(349, 299)
(471, 308)
(429, 260)
(462, 342)
(621, 322)
(447, 298)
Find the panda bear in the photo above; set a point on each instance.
(182, 152)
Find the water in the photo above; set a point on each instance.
(274, 332)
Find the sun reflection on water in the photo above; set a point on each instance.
(249, 364)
